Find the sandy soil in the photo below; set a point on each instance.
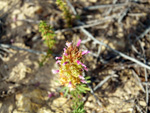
(25, 85)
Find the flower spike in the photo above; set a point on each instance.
(71, 66)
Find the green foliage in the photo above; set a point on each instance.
(66, 90)
(78, 104)
(47, 33)
(79, 108)
(48, 36)
(66, 13)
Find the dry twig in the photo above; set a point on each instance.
(104, 81)
(105, 6)
(23, 49)
(90, 25)
(110, 9)
(119, 53)
(143, 34)
(138, 108)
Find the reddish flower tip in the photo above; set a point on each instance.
(78, 43)
(58, 62)
(64, 49)
(84, 66)
(65, 54)
(78, 62)
(85, 52)
(55, 71)
(68, 44)
(83, 81)
(58, 58)
(65, 63)
(81, 77)
(70, 84)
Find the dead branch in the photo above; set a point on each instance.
(119, 53)
(90, 25)
(23, 49)
(105, 6)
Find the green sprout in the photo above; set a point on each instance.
(66, 13)
(48, 34)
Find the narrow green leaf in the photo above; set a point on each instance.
(66, 92)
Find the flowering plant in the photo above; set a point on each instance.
(65, 11)
(70, 72)
(48, 34)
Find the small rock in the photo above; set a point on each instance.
(142, 103)
(93, 1)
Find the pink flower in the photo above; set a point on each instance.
(68, 44)
(85, 52)
(55, 71)
(65, 63)
(58, 58)
(83, 81)
(81, 77)
(58, 62)
(64, 49)
(70, 84)
(84, 66)
(78, 44)
(78, 62)
(65, 54)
